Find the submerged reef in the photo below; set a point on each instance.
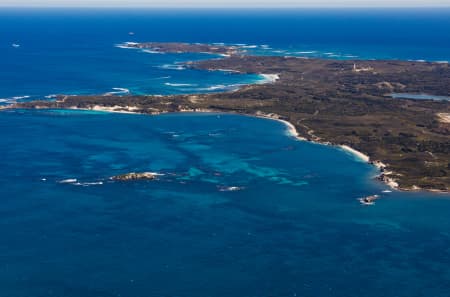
(339, 102)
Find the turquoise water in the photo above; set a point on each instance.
(242, 208)
(418, 96)
(294, 228)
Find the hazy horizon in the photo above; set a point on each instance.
(227, 4)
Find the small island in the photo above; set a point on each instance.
(179, 48)
(132, 176)
(337, 102)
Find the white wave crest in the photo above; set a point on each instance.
(68, 181)
(232, 87)
(179, 85)
(269, 78)
(172, 67)
(306, 52)
(124, 46)
(118, 91)
(127, 45)
(20, 97)
(230, 189)
(162, 77)
(216, 87)
(88, 184)
(13, 99)
(152, 52)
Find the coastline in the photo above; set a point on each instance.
(291, 130)
(340, 114)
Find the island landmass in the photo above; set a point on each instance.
(338, 102)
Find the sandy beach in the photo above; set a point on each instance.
(358, 154)
(291, 131)
(444, 117)
(270, 78)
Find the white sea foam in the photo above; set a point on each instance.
(13, 99)
(87, 184)
(249, 46)
(172, 67)
(214, 88)
(51, 96)
(68, 181)
(306, 52)
(20, 97)
(220, 87)
(230, 189)
(119, 91)
(226, 70)
(179, 85)
(152, 52)
(124, 46)
(269, 78)
(127, 45)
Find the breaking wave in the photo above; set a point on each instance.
(119, 91)
(179, 84)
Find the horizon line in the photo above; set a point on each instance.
(226, 7)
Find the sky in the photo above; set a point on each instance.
(224, 3)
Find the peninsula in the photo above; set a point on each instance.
(339, 102)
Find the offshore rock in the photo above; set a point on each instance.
(135, 176)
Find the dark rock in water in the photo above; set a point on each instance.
(135, 176)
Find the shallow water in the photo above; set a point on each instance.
(294, 227)
(418, 96)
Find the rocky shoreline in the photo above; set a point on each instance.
(326, 101)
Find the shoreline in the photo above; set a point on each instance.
(291, 130)
(291, 83)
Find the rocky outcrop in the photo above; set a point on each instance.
(135, 176)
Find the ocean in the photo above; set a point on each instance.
(241, 208)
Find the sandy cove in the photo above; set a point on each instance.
(292, 131)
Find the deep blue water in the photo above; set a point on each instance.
(72, 51)
(294, 227)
